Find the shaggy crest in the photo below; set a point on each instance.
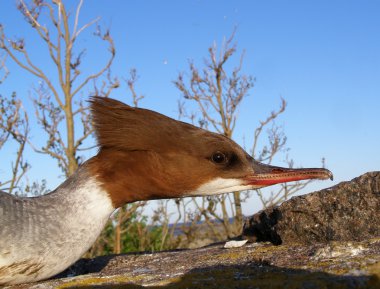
(121, 126)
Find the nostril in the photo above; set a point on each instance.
(276, 171)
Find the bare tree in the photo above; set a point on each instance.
(14, 128)
(131, 82)
(218, 92)
(3, 68)
(58, 106)
(218, 95)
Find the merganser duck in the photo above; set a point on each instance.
(143, 155)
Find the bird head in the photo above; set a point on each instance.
(145, 155)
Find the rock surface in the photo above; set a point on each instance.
(303, 225)
(349, 211)
(334, 265)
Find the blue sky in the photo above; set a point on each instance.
(323, 57)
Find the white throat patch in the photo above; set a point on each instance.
(219, 186)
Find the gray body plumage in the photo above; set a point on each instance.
(42, 236)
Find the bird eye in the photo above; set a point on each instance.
(219, 158)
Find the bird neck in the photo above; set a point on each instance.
(135, 176)
(55, 229)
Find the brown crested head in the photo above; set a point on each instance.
(146, 155)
